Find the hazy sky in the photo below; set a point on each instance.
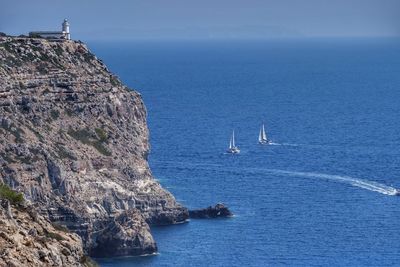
(128, 19)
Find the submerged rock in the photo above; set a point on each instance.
(219, 210)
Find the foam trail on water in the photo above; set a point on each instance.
(358, 182)
(365, 184)
(282, 144)
(274, 144)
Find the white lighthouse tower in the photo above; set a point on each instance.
(65, 29)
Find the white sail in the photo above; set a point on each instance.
(264, 136)
(232, 146)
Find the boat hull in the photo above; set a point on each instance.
(265, 142)
(233, 151)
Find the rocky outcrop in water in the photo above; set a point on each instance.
(74, 140)
(218, 211)
(127, 234)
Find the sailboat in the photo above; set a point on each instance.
(233, 149)
(262, 137)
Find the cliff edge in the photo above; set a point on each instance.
(74, 141)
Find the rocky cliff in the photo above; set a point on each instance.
(74, 140)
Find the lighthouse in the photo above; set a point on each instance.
(54, 35)
(65, 29)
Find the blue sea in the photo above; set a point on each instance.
(321, 195)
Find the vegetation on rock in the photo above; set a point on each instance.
(87, 138)
(7, 193)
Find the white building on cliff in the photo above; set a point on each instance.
(64, 34)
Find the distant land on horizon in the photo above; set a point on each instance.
(178, 19)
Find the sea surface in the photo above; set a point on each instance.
(321, 195)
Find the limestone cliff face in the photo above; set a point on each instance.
(74, 140)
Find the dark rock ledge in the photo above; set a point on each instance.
(218, 211)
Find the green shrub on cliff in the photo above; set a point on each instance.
(59, 51)
(8, 47)
(11, 195)
(114, 80)
(60, 227)
(101, 148)
(97, 141)
(54, 235)
(16, 131)
(54, 114)
(89, 57)
(63, 153)
(101, 134)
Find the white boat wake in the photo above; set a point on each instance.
(282, 144)
(357, 182)
(365, 184)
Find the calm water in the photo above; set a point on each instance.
(320, 195)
